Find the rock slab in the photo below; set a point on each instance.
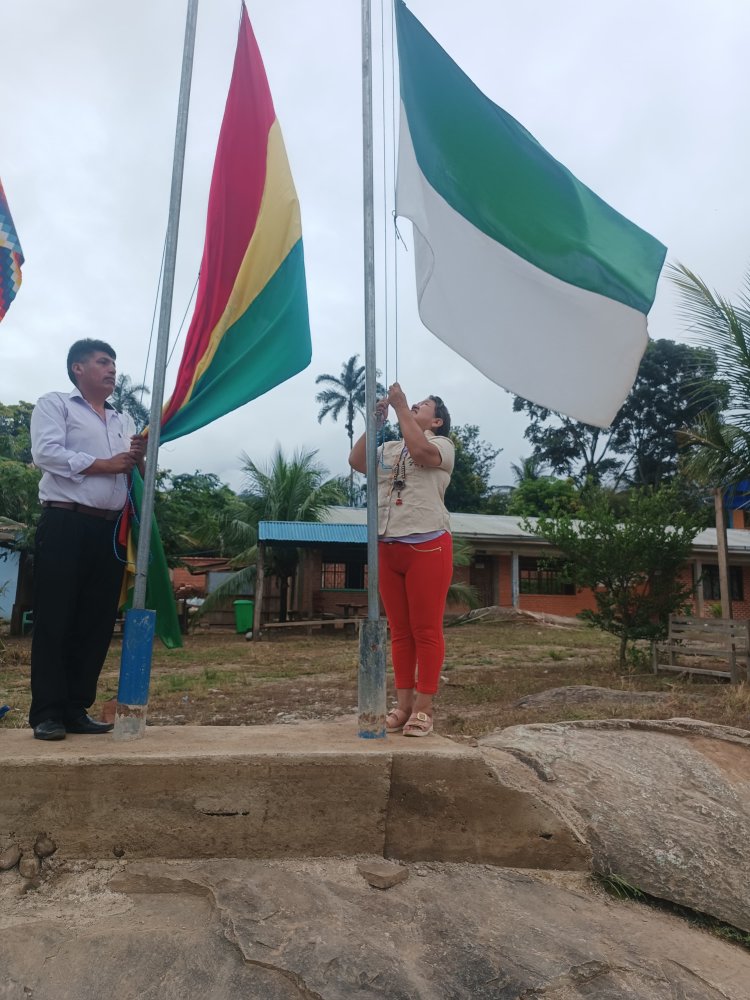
(664, 805)
(314, 930)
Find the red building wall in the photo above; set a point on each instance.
(740, 609)
(312, 601)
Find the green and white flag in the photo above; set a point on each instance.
(520, 268)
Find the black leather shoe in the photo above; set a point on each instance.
(50, 729)
(85, 724)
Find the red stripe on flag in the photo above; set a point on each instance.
(234, 200)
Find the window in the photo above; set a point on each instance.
(711, 590)
(350, 575)
(542, 576)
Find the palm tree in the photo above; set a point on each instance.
(295, 489)
(527, 469)
(345, 393)
(127, 398)
(720, 452)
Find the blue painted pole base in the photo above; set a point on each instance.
(135, 674)
(372, 646)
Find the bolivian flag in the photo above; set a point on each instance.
(250, 330)
(520, 267)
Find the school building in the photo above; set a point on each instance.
(510, 566)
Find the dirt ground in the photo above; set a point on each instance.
(220, 679)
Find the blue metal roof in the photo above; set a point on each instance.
(311, 532)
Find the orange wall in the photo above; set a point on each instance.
(568, 605)
(557, 604)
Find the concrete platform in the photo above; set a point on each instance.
(309, 789)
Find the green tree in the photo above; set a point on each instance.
(15, 431)
(675, 384)
(19, 491)
(469, 490)
(719, 443)
(536, 493)
(192, 511)
(296, 489)
(345, 393)
(527, 469)
(545, 495)
(128, 398)
(632, 561)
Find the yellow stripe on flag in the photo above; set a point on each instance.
(128, 577)
(278, 229)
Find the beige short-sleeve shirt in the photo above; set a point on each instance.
(422, 508)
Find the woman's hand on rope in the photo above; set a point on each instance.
(396, 398)
(381, 412)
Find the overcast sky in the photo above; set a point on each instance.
(644, 100)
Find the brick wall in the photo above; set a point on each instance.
(740, 609)
(568, 605)
(311, 600)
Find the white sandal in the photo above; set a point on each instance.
(420, 724)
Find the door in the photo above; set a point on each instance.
(483, 576)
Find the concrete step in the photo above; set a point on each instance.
(307, 789)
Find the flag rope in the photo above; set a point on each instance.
(153, 318)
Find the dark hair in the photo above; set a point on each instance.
(441, 412)
(82, 351)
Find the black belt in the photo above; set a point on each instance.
(80, 508)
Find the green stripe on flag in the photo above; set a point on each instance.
(159, 590)
(493, 172)
(267, 345)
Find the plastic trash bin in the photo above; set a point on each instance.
(243, 615)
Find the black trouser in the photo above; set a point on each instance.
(77, 580)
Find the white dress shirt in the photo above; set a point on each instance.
(67, 436)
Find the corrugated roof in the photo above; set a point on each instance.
(489, 526)
(349, 524)
(312, 532)
(738, 539)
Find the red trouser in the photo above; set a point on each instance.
(414, 581)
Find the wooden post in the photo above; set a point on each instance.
(726, 597)
(258, 607)
(699, 602)
(721, 548)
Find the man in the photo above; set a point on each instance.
(86, 451)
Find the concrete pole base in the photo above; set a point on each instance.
(372, 647)
(130, 722)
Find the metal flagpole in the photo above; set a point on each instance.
(372, 636)
(132, 695)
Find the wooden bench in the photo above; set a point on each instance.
(709, 639)
(308, 624)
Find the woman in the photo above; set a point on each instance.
(415, 550)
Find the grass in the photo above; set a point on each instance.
(220, 679)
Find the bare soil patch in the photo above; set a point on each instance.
(219, 678)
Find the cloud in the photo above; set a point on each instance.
(643, 101)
